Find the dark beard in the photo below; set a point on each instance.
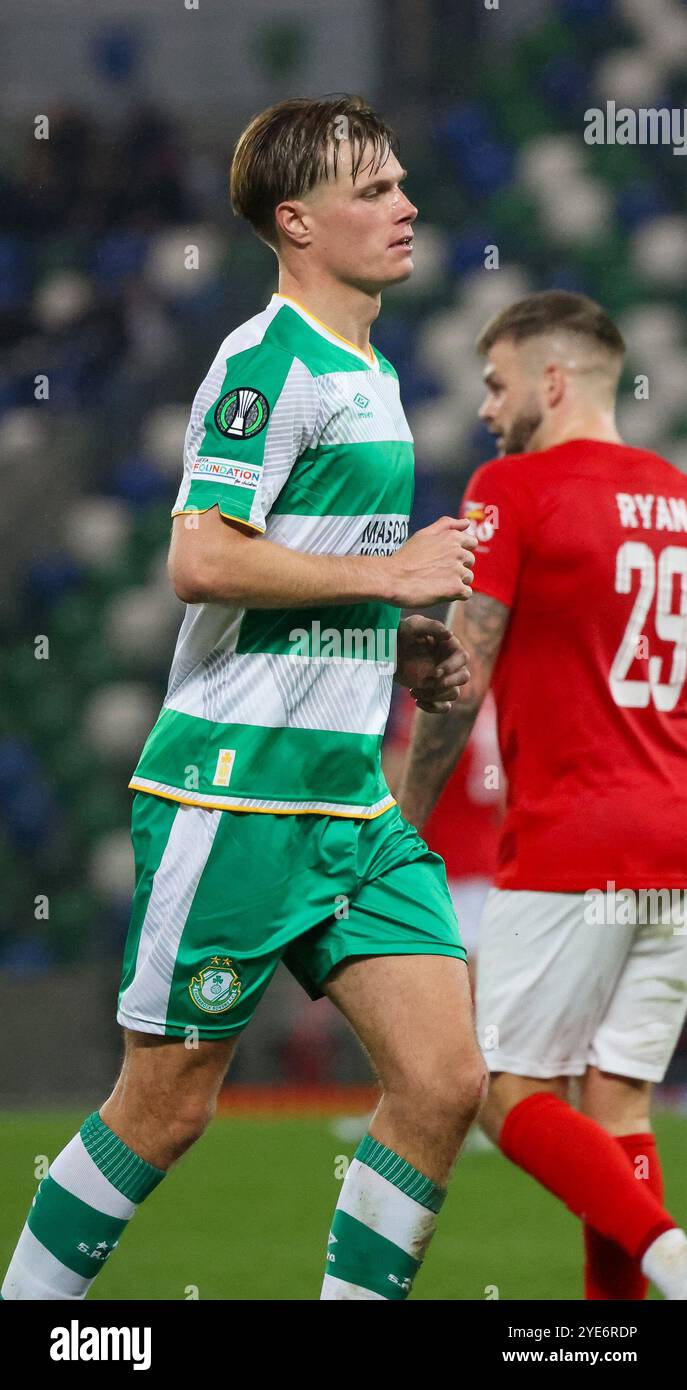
(520, 433)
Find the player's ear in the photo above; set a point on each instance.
(554, 384)
(292, 221)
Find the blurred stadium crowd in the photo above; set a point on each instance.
(120, 272)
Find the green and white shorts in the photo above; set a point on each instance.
(222, 896)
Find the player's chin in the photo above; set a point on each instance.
(399, 266)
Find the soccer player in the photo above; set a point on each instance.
(262, 826)
(579, 622)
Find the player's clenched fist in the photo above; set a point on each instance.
(436, 564)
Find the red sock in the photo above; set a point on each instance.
(608, 1272)
(579, 1162)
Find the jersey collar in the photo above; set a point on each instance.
(331, 336)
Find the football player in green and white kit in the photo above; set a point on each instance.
(263, 828)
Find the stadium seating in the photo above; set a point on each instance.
(95, 293)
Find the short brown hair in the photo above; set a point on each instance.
(285, 151)
(550, 309)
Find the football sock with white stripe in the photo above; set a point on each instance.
(78, 1215)
(383, 1223)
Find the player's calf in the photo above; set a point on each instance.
(161, 1103)
(421, 1040)
(387, 1210)
(584, 1165)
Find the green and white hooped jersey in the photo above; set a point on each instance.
(300, 435)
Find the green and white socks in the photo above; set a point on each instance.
(78, 1215)
(383, 1223)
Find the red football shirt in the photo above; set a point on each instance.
(587, 544)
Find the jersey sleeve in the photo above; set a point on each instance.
(251, 419)
(496, 504)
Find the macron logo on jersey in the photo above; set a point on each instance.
(225, 472)
(643, 509)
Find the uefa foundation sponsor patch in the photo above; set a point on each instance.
(240, 474)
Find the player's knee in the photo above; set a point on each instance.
(468, 1085)
(184, 1124)
(191, 1122)
(446, 1098)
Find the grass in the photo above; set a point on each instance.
(245, 1216)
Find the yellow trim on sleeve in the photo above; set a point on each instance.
(200, 511)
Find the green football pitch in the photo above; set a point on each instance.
(245, 1215)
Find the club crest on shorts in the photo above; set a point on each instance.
(216, 987)
(241, 413)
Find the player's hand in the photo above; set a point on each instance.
(435, 565)
(431, 663)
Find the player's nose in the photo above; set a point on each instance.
(411, 210)
(404, 210)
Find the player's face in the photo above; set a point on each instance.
(512, 409)
(363, 231)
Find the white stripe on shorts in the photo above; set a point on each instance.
(186, 853)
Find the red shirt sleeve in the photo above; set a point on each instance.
(496, 505)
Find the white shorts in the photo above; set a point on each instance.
(557, 993)
(468, 896)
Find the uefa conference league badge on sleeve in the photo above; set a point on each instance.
(242, 413)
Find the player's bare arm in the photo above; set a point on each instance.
(214, 560)
(437, 744)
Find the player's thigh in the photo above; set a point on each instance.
(172, 1068)
(621, 1104)
(639, 1030)
(413, 1014)
(393, 962)
(544, 979)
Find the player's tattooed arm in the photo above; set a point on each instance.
(438, 740)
